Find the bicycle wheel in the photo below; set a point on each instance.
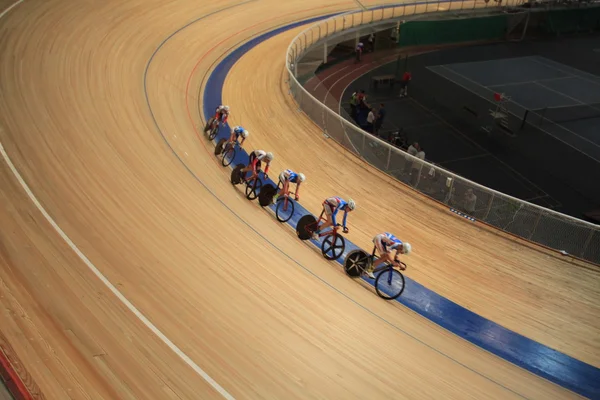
(208, 124)
(306, 226)
(236, 174)
(253, 188)
(265, 197)
(284, 209)
(213, 131)
(333, 246)
(356, 262)
(228, 156)
(389, 284)
(220, 146)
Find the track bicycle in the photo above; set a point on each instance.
(389, 281)
(212, 128)
(227, 151)
(253, 183)
(333, 245)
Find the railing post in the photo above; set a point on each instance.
(387, 164)
(357, 38)
(363, 141)
(325, 53)
(537, 221)
(334, 25)
(587, 243)
(362, 13)
(372, 16)
(489, 208)
(343, 22)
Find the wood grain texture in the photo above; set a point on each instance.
(262, 313)
(529, 290)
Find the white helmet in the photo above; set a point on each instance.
(406, 248)
(301, 177)
(245, 134)
(269, 156)
(226, 108)
(351, 204)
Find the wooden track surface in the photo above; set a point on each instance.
(214, 273)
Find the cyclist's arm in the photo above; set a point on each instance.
(333, 214)
(254, 163)
(345, 217)
(267, 169)
(298, 188)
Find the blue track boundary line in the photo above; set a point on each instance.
(579, 379)
(535, 357)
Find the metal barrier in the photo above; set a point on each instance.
(546, 227)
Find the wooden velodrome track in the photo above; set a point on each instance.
(160, 281)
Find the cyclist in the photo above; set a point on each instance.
(385, 243)
(331, 206)
(236, 132)
(254, 163)
(221, 115)
(285, 178)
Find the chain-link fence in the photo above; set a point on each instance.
(529, 221)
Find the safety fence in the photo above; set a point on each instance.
(526, 220)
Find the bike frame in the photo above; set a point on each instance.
(386, 265)
(332, 232)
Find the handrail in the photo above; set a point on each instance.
(300, 45)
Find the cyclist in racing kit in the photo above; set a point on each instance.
(285, 178)
(385, 243)
(221, 115)
(254, 163)
(236, 132)
(331, 206)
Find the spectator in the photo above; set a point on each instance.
(371, 42)
(370, 121)
(420, 153)
(380, 117)
(353, 104)
(412, 150)
(470, 201)
(416, 167)
(401, 140)
(406, 78)
(362, 99)
(359, 50)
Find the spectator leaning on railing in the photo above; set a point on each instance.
(380, 117)
(370, 121)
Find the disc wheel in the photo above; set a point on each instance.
(356, 263)
(333, 247)
(389, 284)
(236, 174)
(265, 197)
(305, 226)
(219, 147)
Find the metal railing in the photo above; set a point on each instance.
(529, 221)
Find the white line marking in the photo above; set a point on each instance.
(99, 275)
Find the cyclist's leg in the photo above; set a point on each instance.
(328, 214)
(251, 163)
(384, 254)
